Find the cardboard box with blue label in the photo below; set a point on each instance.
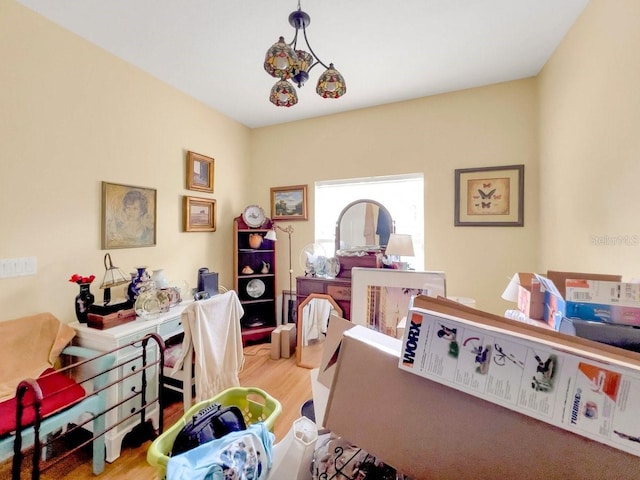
(610, 302)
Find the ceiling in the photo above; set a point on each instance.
(213, 50)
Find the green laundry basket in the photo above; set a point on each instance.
(256, 406)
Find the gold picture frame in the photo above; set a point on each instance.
(489, 196)
(199, 214)
(128, 216)
(200, 172)
(289, 203)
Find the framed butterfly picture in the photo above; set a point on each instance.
(489, 197)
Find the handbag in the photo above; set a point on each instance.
(211, 422)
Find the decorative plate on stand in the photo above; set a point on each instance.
(312, 259)
(255, 288)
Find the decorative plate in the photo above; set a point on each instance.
(254, 216)
(310, 259)
(332, 267)
(255, 288)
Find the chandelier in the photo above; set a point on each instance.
(285, 61)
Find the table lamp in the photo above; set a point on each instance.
(400, 244)
(113, 277)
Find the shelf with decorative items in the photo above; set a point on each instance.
(254, 267)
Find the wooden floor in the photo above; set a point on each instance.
(281, 378)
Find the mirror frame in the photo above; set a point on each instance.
(301, 305)
(356, 202)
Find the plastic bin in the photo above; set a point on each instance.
(256, 405)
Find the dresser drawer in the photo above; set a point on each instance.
(125, 352)
(339, 292)
(306, 287)
(170, 328)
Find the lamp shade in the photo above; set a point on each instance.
(280, 60)
(283, 94)
(400, 244)
(331, 84)
(113, 276)
(271, 235)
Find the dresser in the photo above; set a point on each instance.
(338, 288)
(166, 325)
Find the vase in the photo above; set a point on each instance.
(159, 279)
(84, 300)
(139, 280)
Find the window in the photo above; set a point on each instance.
(403, 195)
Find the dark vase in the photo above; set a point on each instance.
(137, 283)
(84, 300)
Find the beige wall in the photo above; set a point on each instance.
(590, 144)
(490, 126)
(71, 116)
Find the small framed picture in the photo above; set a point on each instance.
(128, 216)
(489, 197)
(199, 214)
(289, 203)
(200, 170)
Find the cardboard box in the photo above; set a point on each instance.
(559, 278)
(612, 314)
(337, 326)
(524, 290)
(275, 343)
(427, 430)
(603, 292)
(287, 340)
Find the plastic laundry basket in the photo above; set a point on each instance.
(256, 406)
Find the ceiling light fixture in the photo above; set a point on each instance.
(285, 61)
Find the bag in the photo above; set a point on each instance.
(208, 424)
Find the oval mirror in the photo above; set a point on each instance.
(313, 318)
(363, 225)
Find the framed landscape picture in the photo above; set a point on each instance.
(289, 203)
(199, 214)
(489, 196)
(128, 216)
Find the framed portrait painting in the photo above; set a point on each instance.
(128, 216)
(200, 172)
(490, 196)
(199, 214)
(289, 203)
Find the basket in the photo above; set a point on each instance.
(256, 406)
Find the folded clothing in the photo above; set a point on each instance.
(58, 391)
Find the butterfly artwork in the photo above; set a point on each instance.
(490, 196)
(486, 196)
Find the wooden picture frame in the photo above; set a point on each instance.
(199, 214)
(489, 197)
(128, 216)
(200, 172)
(289, 203)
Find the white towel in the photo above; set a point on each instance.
(212, 327)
